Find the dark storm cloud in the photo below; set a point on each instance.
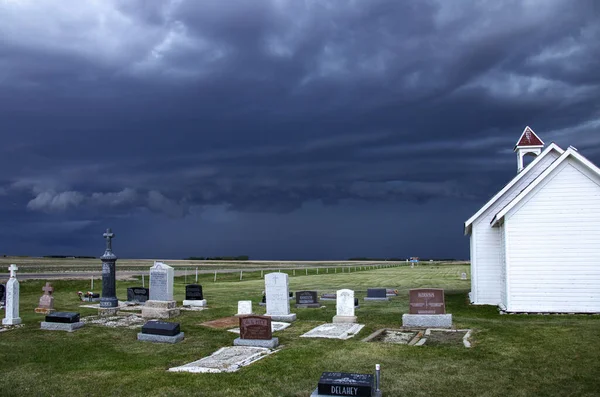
(124, 109)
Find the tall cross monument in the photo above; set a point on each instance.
(109, 298)
(11, 316)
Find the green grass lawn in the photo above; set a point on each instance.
(512, 355)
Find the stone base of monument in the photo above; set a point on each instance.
(11, 321)
(377, 299)
(196, 303)
(268, 343)
(160, 309)
(288, 318)
(43, 310)
(427, 320)
(69, 327)
(160, 338)
(308, 305)
(343, 319)
(244, 314)
(108, 311)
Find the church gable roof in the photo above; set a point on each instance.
(570, 152)
(511, 183)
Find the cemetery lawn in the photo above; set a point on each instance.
(512, 355)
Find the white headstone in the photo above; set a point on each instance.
(277, 294)
(161, 282)
(463, 276)
(345, 302)
(11, 316)
(244, 307)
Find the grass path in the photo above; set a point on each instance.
(513, 355)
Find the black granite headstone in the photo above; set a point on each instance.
(376, 293)
(264, 299)
(161, 328)
(62, 317)
(306, 297)
(291, 294)
(193, 292)
(355, 302)
(2, 293)
(345, 384)
(138, 294)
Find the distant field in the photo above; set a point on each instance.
(512, 355)
(48, 265)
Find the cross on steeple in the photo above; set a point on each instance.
(13, 270)
(108, 236)
(48, 290)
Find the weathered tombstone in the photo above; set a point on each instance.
(344, 384)
(161, 332)
(244, 308)
(463, 276)
(376, 294)
(62, 321)
(46, 304)
(138, 294)
(11, 311)
(161, 303)
(108, 302)
(344, 307)
(277, 293)
(307, 299)
(194, 296)
(391, 292)
(256, 331)
(427, 309)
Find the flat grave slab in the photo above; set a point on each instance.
(4, 328)
(130, 321)
(161, 328)
(224, 322)
(446, 337)
(275, 326)
(226, 359)
(395, 336)
(427, 320)
(192, 308)
(62, 317)
(334, 331)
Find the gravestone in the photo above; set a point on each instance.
(2, 295)
(194, 296)
(263, 301)
(427, 308)
(46, 304)
(277, 293)
(463, 276)
(161, 303)
(345, 384)
(307, 299)
(328, 297)
(244, 308)
(345, 307)
(161, 332)
(256, 331)
(391, 292)
(108, 302)
(11, 310)
(376, 294)
(138, 294)
(62, 321)
(356, 305)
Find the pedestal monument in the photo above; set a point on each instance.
(109, 304)
(11, 316)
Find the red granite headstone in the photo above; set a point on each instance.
(255, 327)
(427, 301)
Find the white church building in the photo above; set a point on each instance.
(535, 245)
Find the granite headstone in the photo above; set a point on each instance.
(345, 384)
(138, 294)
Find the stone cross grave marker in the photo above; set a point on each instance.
(161, 282)
(108, 301)
(46, 304)
(11, 312)
(427, 301)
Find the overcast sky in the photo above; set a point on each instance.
(279, 129)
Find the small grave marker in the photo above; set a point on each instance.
(377, 294)
(345, 307)
(307, 299)
(345, 384)
(46, 303)
(427, 309)
(256, 331)
(194, 296)
(62, 321)
(161, 332)
(138, 294)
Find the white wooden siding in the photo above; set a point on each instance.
(502, 268)
(553, 253)
(486, 279)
